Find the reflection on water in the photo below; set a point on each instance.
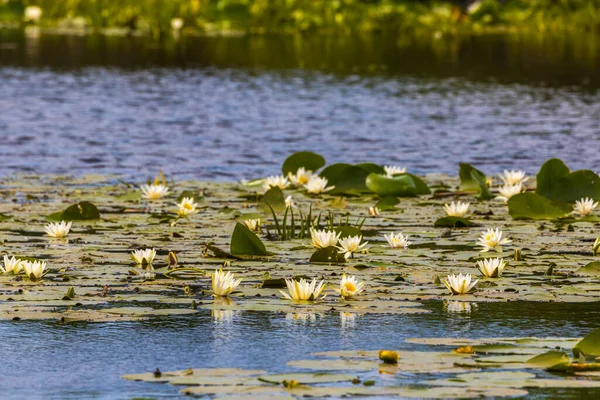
(81, 360)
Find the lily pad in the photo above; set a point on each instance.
(307, 159)
(244, 242)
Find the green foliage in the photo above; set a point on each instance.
(309, 160)
(405, 185)
(453, 222)
(387, 203)
(555, 181)
(83, 210)
(328, 255)
(589, 346)
(245, 243)
(346, 178)
(472, 179)
(552, 360)
(272, 200)
(534, 206)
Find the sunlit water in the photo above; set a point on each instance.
(50, 360)
(227, 109)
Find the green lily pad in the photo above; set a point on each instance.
(400, 186)
(307, 159)
(556, 182)
(328, 255)
(244, 242)
(534, 206)
(453, 222)
(83, 210)
(589, 346)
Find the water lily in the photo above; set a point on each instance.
(176, 24)
(397, 240)
(491, 267)
(322, 238)
(391, 170)
(11, 264)
(154, 191)
(317, 185)
(58, 230)
(508, 191)
(303, 290)
(301, 177)
(276, 181)
(512, 178)
(224, 283)
(349, 286)
(252, 224)
(32, 14)
(457, 306)
(459, 284)
(457, 209)
(585, 206)
(350, 245)
(373, 211)
(143, 257)
(34, 269)
(186, 207)
(289, 202)
(491, 239)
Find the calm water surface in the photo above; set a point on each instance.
(232, 108)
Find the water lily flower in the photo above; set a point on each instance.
(32, 14)
(186, 207)
(322, 238)
(11, 264)
(154, 192)
(491, 267)
(457, 209)
(301, 177)
(143, 257)
(34, 269)
(397, 240)
(373, 211)
(252, 224)
(176, 24)
(303, 290)
(512, 178)
(457, 306)
(350, 245)
(459, 284)
(289, 202)
(349, 286)
(585, 206)
(317, 185)
(58, 230)
(391, 170)
(508, 191)
(224, 283)
(276, 181)
(492, 240)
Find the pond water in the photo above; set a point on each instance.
(233, 108)
(82, 361)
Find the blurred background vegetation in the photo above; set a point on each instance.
(158, 17)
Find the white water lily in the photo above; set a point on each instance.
(317, 185)
(397, 240)
(491, 267)
(508, 191)
(252, 224)
(11, 264)
(585, 206)
(391, 170)
(350, 245)
(276, 181)
(34, 269)
(58, 230)
(224, 283)
(289, 202)
(512, 178)
(176, 24)
(457, 209)
(186, 207)
(459, 284)
(143, 257)
(491, 239)
(303, 290)
(349, 286)
(301, 177)
(457, 306)
(154, 192)
(322, 238)
(32, 13)
(373, 211)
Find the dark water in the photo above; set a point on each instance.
(231, 108)
(85, 361)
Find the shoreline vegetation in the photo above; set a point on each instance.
(157, 18)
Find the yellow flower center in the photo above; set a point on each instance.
(349, 287)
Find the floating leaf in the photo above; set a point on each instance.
(328, 255)
(453, 222)
(591, 269)
(83, 210)
(372, 168)
(349, 179)
(387, 203)
(70, 294)
(307, 159)
(534, 206)
(468, 174)
(399, 186)
(589, 345)
(307, 378)
(4, 217)
(556, 182)
(551, 360)
(245, 242)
